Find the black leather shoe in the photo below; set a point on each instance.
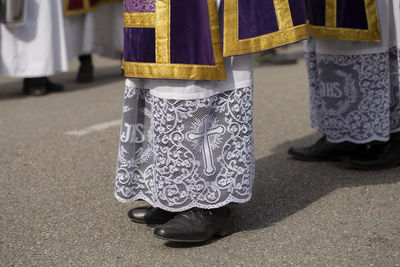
(40, 86)
(150, 215)
(382, 156)
(324, 150)
(86, 70)
(197, 225)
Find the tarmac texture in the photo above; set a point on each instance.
(57, 201)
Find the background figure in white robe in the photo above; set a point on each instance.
(35, 49)
(99, 31)
(355, 98)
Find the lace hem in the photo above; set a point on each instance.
(355, 98)
(178, 154)
(355, 141)
(191, 206)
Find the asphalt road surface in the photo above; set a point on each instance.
(57, 164)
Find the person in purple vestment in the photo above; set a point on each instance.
(186, 148)
(186, 143)
(355, 97)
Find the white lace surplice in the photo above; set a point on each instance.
(354, 87)
(186, 143)
(179, 154)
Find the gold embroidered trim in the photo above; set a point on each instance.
(86, 4)
(173, 71)
(234, 46)
(283, 14)
(373, 20)
(372, 34)
(140, 20)
(331, 13)
(163, 32)
(167, 70)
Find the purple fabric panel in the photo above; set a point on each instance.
(351, 14)
(256, 18)
(139, 45)
(298, 10)
(316, 12)
(134, 6)
(190, 33)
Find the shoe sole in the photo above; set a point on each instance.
(38, 92)
(142, 222)
(190, 241)
(222, 233)
(178, 240)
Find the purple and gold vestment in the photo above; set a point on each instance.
(178, 152)
(355, 20)
(176, 39)
(179, 39)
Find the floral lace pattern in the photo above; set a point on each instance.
(134, 6)
(355, 98)
(180, 154)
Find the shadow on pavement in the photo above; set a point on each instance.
(11, 90)
(171, 244)
(103, 76)
(284, 186)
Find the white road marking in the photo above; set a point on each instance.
(95, 128)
